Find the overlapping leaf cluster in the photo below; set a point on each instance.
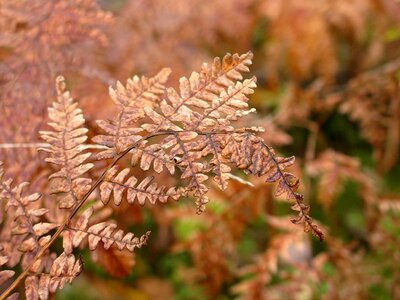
(191, 131)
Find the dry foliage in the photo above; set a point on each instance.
(190, 131)
(328, 92)
(38, 41)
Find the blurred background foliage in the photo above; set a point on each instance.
(328, 92)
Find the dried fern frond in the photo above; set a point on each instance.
(63, 270)
(43, 38)
(105, 232)
(201, 139)
(138, 93)
(216, 91)
(146, 189)
(207, 102)
(153, 157)
(66, 148)
(55, 36)
(192, 131)
(251, 154)
(21, 229)
(22, 235)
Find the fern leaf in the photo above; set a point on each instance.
(104, 232)
(251, 154)
(229, 106)
(152, 156)
(207, 102)
(66, 148)
(202, 90)
(108, 234)
(138, 93)
(215, 92)
(219, 166)
(202, 139)
(22, 211)
(63, 270)
(116, 183)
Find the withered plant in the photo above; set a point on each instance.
(328, 93)
(40, 40)
(189, 132)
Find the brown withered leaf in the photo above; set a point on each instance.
(114, 183)
(66, 148)
(197, 121)
(105, 232)
(152, 154)
(131, 100)
(40, 229)
(251, 154)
